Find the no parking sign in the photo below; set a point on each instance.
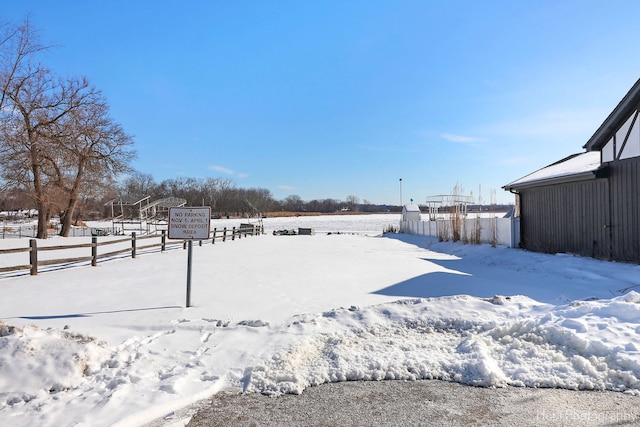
(192, 223)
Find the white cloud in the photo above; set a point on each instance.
(463, 139)
(228, 171)
(287, 187)
(388, 149)
(221, 169)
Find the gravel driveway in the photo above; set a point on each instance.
(419, 403)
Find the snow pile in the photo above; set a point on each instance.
(517, 342)
(37, 364)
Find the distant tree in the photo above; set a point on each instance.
(93, 204)
(330, 205)
(216, 191)
(368, 207)
(225, 191)
(258, 200)
(138, 185)
(314, 206)
(13, 199)
(352, 202)
(190, 189)
(293, 203)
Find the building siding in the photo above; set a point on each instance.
(567, 218)
(598, 218)
(624, 181)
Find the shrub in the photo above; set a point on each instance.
(390, 229)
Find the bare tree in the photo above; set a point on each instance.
(190, 189)
(258, 201)
(293, 203)
(330, 205)
(30, 107)
(56, 137)
(138, 185)
(352, 202)
(218, 193)
(54, 134)
(18, 46)
(92, 149)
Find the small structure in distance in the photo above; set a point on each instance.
(448, 203)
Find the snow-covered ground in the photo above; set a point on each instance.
(115, 345)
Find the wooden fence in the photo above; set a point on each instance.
(33, 250)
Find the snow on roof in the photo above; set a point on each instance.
(411, 208)
(574, 165)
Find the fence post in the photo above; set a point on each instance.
(33, 256)
(133, 244)
(224, 235)
(94, 251)
(233, 234)
(213, 240)
(163, 240)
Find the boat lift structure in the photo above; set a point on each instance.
(141, 215)
(442, 205)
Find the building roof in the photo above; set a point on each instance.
(577, 167)
(411, 208)
(616, 119)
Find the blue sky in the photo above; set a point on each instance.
(326, 99)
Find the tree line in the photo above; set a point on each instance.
(226, 199)
(222, 195)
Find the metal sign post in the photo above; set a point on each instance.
(189, 223)
(189, 256)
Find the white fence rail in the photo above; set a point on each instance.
(498, 231)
